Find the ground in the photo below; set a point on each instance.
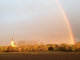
(41, 56)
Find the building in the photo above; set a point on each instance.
(12, 43)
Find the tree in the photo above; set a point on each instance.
(22, 43)
(72, 49)
(62, 47)
(56, 47)
(77, 47)
(67, 48)
(35, 48)
(50, 48)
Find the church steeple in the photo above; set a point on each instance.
(12, 43)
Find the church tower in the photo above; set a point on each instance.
(12, 43)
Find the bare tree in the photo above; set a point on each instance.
(32, 42)
(22, 43)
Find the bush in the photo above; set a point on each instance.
(71, 49)
(51, 49)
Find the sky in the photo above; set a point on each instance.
(38, 20)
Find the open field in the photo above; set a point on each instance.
(40, 56)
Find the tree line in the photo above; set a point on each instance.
(22, 47)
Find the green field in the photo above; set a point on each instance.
(41, 56)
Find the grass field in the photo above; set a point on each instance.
(40, 56)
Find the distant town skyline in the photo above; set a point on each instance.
(38, 20)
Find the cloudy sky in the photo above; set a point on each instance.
(38, 20)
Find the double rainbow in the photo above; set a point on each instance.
(67, 21)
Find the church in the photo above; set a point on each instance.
(12, 43)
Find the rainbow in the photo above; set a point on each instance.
(67, 21)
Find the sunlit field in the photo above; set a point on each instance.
(41, 56)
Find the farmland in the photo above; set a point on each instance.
(41, 56)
